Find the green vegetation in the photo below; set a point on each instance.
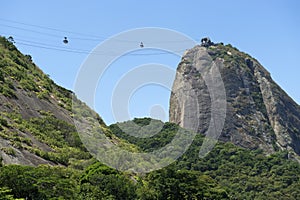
(231, 55)
(3, 122)
(231, 172)
(43, 182)
(246, 174)
(5, 194)
(19, 72)
(227, 172)
(8, 151)
(60, 136)
(163, 136)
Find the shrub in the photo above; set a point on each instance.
(9, 151)
(3, 121)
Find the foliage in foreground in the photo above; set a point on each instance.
(228, 172)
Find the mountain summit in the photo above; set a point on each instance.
(259, 114)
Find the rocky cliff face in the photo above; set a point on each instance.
(259, 114)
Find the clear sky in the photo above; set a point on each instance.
(267, 30)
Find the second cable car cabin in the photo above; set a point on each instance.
(65, 40)
(141, 45)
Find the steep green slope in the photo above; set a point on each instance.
(36, 125)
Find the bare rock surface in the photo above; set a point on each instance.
(259, 114)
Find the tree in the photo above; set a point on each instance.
(5, 194)
(11, 39)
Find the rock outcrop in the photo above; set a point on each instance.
(259, 114)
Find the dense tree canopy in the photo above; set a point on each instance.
(227, 172)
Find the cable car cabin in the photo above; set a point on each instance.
(141, 45)
(65, 40)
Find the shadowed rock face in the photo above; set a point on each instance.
(259, 114)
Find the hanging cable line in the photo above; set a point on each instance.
(84, 51)
(55, 47)
(74, 35)
(81, 51)
(43, 45)
(53, 29)
(48, 34)
(33, 31)
(44, 31)
(52, 48)
(47, 45)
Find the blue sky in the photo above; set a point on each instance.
(267, 30)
